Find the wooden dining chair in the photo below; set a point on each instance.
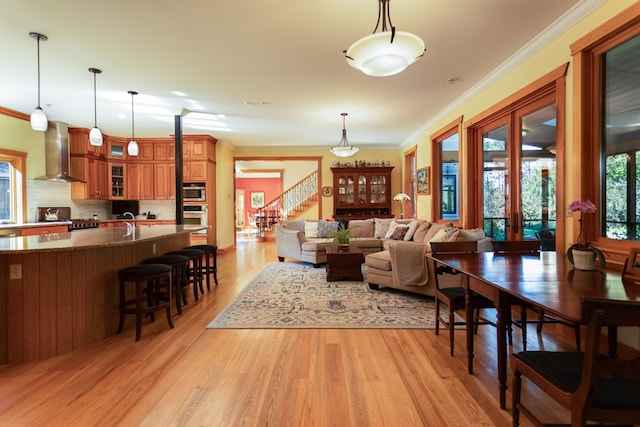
(453, 296)
(531, 247)
(592, 386)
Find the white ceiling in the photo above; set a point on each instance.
(285, 57)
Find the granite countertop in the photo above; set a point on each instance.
(34, 224)
(90, 238)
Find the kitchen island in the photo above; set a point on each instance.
(59, 291)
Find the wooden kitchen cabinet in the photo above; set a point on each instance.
(139, 184)
(164, 151)
(94, 172)
(79, 144)
(164, 181)
(194, 171)
(117, 148)
(145, 151)
(117, 180)
(362, 192)
(44, 229)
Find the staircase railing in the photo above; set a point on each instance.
(292, 200)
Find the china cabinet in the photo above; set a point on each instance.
(361, 192)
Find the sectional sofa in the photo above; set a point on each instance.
(395, 249)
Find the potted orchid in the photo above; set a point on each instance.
(583, 253)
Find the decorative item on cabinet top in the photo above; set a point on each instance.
(361, 164)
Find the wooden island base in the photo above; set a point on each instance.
(57, 300)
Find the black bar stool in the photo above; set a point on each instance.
(194, 271)
(156, 294)
(179, 265)
(211, 262)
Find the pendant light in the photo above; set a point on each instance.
(38, 118)
(95, 136)
(132, 147)
(344, 149)
(386, 53)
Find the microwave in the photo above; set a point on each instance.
(194, 192)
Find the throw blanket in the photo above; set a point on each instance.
(409, 263)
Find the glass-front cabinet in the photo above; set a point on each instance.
(116, 180)
(362, 192)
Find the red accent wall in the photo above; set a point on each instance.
(272, 187)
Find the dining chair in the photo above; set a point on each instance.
(531, 247)
(453, 294)
(589, 384)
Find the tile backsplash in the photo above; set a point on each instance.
(49, 193)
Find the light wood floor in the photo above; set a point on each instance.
(190, 375)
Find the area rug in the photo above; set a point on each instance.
(296, 295)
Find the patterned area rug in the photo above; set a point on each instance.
(296, 295)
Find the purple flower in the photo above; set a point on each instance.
(583, 207)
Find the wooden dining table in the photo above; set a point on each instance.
(546, 280)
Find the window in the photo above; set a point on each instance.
(607, 114)
(5, 191)
(410, 181)
(447, 173)
(12, 185)
(620, 130)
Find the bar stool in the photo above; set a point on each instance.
(194, 271)
(210, 253)
(179, 265)
(156, 294)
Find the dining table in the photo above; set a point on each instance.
(545, 280)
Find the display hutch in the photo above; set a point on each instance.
(362, 192)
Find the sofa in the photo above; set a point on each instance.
(404, 264)
(306, 240)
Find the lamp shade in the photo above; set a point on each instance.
(95, 137)
(344, 151)
(39, 120)
(376, 55)
(132, 148)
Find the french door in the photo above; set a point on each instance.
(518, 183)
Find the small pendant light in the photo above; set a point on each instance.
(38, 117)
(95, 136)
(344, 149)
(132, 148)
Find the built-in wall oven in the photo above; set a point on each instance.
(194, 192)
(195, 214)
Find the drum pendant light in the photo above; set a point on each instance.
(38, 117)
(132, 147)
(95, 136)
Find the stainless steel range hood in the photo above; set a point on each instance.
(56, 146)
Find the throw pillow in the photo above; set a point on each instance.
(434, 229)
(391, 229)
(413, 226)
(310, 228)
(471, 235)
(327, 228)
(399, 232)
(361, 227)
(421, 231)
(446, 235)
(382, 227)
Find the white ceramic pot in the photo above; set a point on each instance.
(584, 260)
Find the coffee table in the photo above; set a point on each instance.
(345, 265)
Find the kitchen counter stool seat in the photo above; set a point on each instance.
(210, 262)
(179, 265)
(152, 286)
(194, 271)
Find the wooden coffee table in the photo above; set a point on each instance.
(344, 265)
